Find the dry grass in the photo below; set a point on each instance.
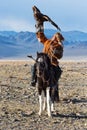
(17, 97)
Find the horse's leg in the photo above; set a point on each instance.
(48, 102)
(40, 98)
(52, 106)
(40, 103)
(40, 86)
(44, 103)
(54, 96)
(58, 91)
(56, 87)
(52, 99)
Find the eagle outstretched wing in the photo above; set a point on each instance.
(42, 18)
(46, 18)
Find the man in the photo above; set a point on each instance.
(53, 47)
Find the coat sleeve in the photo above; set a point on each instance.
(41, 37)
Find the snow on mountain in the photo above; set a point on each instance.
(20, 44)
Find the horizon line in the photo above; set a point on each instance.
(44, 30)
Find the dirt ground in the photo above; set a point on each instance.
(19, 101)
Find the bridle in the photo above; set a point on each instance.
(39, 62)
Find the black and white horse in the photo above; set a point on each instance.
(46, 83)
(43, 66)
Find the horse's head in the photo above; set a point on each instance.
(42, 64)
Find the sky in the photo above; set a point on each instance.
(17, 15)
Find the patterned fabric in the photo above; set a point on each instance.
(53, 47)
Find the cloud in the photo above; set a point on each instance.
(16, 25)
(69, 14)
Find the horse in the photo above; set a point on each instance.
(46, 83)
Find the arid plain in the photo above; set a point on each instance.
(19, 101)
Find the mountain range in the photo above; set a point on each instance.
(20, 44)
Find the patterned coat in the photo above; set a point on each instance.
(53, 47)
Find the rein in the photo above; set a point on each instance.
(45, 72)
(44, 80)
(42, 77)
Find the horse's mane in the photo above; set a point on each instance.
(45, 57)
(47, 64)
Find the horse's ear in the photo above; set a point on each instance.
(37, 53)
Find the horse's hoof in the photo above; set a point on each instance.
(39, 113)
(44, 108)
(49, 114)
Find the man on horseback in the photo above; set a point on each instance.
(53, 47)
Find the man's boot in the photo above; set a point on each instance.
(33, 75)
